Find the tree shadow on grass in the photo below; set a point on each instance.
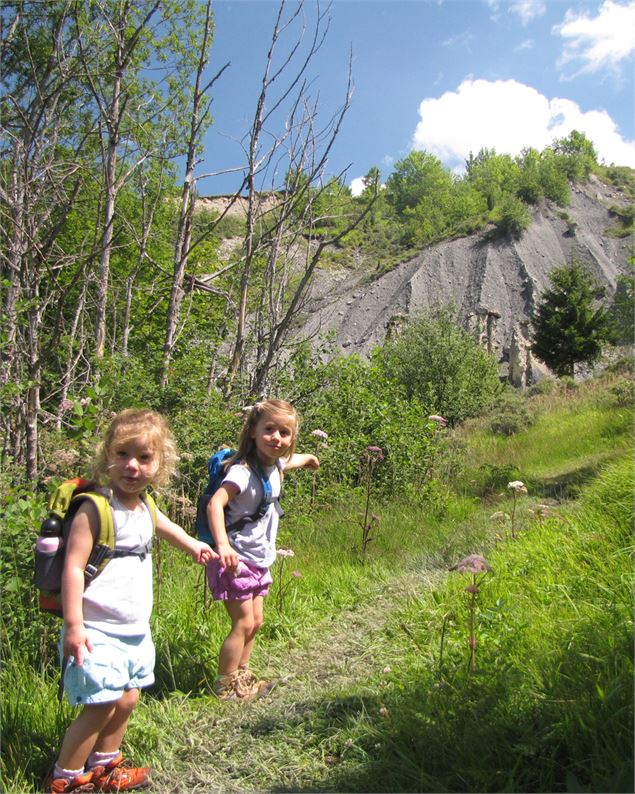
(486, 731)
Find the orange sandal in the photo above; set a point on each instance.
(118, 775)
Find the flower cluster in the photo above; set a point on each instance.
(285, 553)
(320, 434)
(517, 486)
(473, 563)
(440, 420)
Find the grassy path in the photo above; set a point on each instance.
(295, 740)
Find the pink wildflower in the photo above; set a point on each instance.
(440, 420)
(285, 553)
(320, 434)
(473, 563)
(66, 405)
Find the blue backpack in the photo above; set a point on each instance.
(216, 468)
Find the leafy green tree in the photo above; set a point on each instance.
(624, 308)
(578, 155)
(493, 175)
(530, 188)
(511, 217)
(443, 366)
(372, 181)
(553, 178)
(567, 327)
(418, 177)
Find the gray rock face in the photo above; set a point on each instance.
(495, 284)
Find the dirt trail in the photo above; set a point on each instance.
(271, 745)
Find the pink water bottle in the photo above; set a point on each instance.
(50, 538)
(48, 563)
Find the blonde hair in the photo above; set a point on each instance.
(246, 445)
(135, 423)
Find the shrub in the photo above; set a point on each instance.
(511, 414)
(511, 217)
(544, 386)
(622, 393)
(442, 366)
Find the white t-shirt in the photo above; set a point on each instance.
(119, 600)
(255, 543)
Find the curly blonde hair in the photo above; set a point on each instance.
(134, 423)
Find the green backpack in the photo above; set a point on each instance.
(50, 547)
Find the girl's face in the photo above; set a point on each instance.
(133, 464)
(273, 436)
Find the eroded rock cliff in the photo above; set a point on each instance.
(494, 284)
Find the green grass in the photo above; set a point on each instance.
(549, 707)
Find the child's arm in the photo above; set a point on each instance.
(216, 518)
(175, 535)
(79, 545)
(302, 461)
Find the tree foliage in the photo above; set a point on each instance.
(442, 365)
(623, 312)
(568, 327)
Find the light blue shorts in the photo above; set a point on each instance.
(115, 665)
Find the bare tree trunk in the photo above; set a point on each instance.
(112, 114)
(198, 120)
(259, 241)
(39, 191)
(73, 357)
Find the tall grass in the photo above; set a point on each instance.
(550, 705)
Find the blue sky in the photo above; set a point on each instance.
(445, 76)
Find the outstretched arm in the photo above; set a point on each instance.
(302, 461)
(177, 536)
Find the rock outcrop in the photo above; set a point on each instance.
(495, 284)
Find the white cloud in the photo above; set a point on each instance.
(507, 115)
(597, 42)
(357, 186)
(528, 9)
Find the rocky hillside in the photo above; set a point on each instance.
(495, 284)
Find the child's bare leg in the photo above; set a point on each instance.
(232, 650)
(258, 615)
(109, 739)
(82, 734)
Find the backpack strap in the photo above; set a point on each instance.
(149, 502)
(267, 499)
(104, 548)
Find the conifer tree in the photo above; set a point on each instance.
(568, 329)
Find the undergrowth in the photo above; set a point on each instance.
(549, 707)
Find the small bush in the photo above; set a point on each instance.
(625, 365)
(511, 415)
(512, 218)
(544, 386)
(622, 393)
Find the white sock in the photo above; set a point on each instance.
(67, 774)
(100, 759)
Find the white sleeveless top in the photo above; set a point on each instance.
(119, 600)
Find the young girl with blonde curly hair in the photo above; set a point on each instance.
(106, 642)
